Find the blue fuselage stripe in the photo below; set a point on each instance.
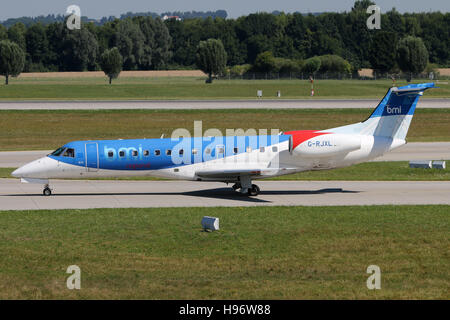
(151, 154)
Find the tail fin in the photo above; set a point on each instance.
(394, 113)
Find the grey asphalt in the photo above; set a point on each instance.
(411, 151)
(419, 151)
(209, 104)
(138, 194)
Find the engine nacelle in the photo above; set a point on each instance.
(328, 145)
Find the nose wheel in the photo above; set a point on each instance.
(47, 191)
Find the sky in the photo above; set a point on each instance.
(235, 8)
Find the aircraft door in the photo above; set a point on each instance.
(91, 153)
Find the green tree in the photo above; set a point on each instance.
(157, 42)
(161, 48)
(334, 63)
(106, 35)
(3, 33)
(287, 66)
(211, 57)
(355, 35)
(56, 32)
(412, 55)
(296, 30)
(362, 5)
(312, 65)
(148, 43)
(435, 33)
(16, 33)
(259, 31)
(111, 63)
(80, 49)
(265, 62)
(256, 45)
(225, 30)
(12, 59)
(130, 41)
(37, 45)
(382, 53)
(239, 70)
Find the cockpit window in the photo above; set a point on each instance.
(58, 151)
(69, 153)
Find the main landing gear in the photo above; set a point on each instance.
(47, 191)
(246, 187)
(253, 191)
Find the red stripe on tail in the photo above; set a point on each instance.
(300, 136)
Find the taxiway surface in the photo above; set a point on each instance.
(77, 194)
(210, 104)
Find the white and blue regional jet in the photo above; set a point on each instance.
(235, 159)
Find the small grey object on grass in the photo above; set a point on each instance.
(439, 164)
(210, 223)
(420, 164)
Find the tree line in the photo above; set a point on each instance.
(262, 41)
(52, 18)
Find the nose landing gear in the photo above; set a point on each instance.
(47, 191)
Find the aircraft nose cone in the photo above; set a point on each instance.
(34, 169)
(17, 173)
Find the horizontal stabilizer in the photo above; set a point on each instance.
(414, 87)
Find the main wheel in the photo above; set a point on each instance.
(236, 186)
(254, 190)
(47, 192)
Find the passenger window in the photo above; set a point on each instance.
(249, 149)
(236, 150)
(207, 150)
(262, 149)
(181, 152)
(275, 149)
(168, 152)
(122, 154)
(110, 154)
(146, 153)
(157, 152)
(194, 151)
(134, 153)
(69, 153)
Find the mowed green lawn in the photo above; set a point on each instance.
(128, 88)
(259, 253)
(370, 171)
(49, 129)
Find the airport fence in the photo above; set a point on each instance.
(328, 76)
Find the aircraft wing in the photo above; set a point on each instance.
(234, 173)
(225, 174)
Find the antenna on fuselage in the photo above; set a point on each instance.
(162, 136)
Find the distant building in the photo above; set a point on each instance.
(166, 17)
